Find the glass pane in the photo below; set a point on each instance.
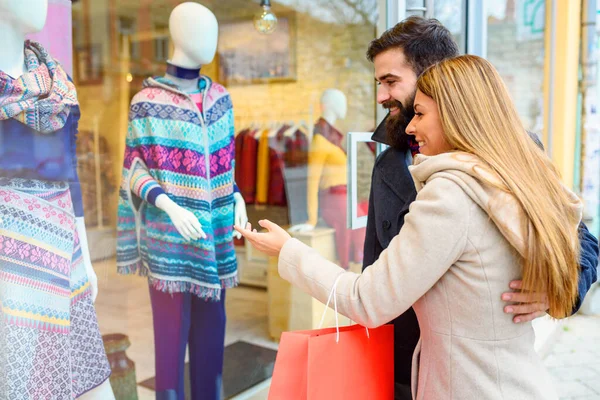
(360, 151)
(516, 48)
(295, 94)
(452, 14)
(415, 7)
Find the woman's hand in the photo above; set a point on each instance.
(270, 242)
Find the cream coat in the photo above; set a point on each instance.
(452, 260)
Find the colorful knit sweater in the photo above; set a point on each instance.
(175, 149)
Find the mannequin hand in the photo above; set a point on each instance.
(302, 228)
(184, 220)
(269, 243)
(239, 212)
(529, 305)
(87, 260)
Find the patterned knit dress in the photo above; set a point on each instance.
(50, 343)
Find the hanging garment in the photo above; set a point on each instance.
(295, 175)
(262, 168)
(190, 156)
(239, 151)
(49, 338)
(246, 168)
(276, 195)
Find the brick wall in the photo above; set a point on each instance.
(328, 55)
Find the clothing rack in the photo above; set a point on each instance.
(262, 118)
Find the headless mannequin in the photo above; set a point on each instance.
(18, 19)
(191, 55)
(334, 106)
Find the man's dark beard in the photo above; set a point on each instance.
(395, 125)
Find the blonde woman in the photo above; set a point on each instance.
(490, 208)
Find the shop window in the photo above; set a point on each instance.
(515, 34)
(286, 89)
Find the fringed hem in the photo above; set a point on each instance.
(206, 293)
(132, 269)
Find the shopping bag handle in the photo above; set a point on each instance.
(333, 294)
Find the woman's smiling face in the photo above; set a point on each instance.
(426, 126)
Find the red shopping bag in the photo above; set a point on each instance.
(314, 365)
(349, 363)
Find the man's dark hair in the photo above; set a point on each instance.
(424, 42)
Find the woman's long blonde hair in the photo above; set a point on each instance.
(479, 117)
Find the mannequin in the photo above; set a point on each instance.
(38, 164)
(192, 55)
(180, 202)
(327, 179)
(334, 106)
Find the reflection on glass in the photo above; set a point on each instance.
(327, 178)
(286, 89)
(451, 13)
(362, 154)
(516, 48)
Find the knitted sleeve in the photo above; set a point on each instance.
(143, 185)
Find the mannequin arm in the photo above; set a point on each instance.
(184, 220)
(87, 261)
(240, 214)
(144, 186)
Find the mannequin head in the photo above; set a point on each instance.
(333, 105)
(24, 16)
(18, 18)
(194, 31)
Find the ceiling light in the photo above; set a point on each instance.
(265, 21)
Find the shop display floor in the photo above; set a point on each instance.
(123, 306)
(245, 366)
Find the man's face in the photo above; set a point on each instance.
(396, 92)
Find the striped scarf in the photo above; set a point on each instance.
(42, 97)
